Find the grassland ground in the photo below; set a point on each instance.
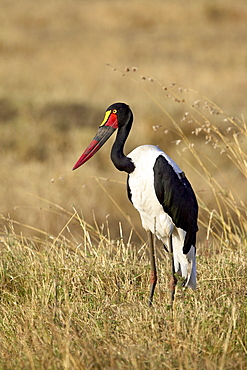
(55, 86)
(84, 305)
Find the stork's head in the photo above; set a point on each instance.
(117, 116)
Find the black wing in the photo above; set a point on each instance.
(177, 197)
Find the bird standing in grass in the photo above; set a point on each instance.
(159, 190)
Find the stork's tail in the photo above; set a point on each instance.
(191, 270)
(185, 264)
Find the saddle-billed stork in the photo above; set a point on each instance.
(159, 190)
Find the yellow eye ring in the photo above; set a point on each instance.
(114, 111)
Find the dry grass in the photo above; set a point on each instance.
(74, 269)
(83, 304)
(55, 86)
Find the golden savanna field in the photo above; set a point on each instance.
(74, 267)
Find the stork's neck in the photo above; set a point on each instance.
(120, 161)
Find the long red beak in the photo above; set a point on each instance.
(103, 134)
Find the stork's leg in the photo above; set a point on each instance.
(173, 281)
(153, 276)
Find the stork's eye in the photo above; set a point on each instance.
(114, 111)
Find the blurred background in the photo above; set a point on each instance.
(56, 83)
